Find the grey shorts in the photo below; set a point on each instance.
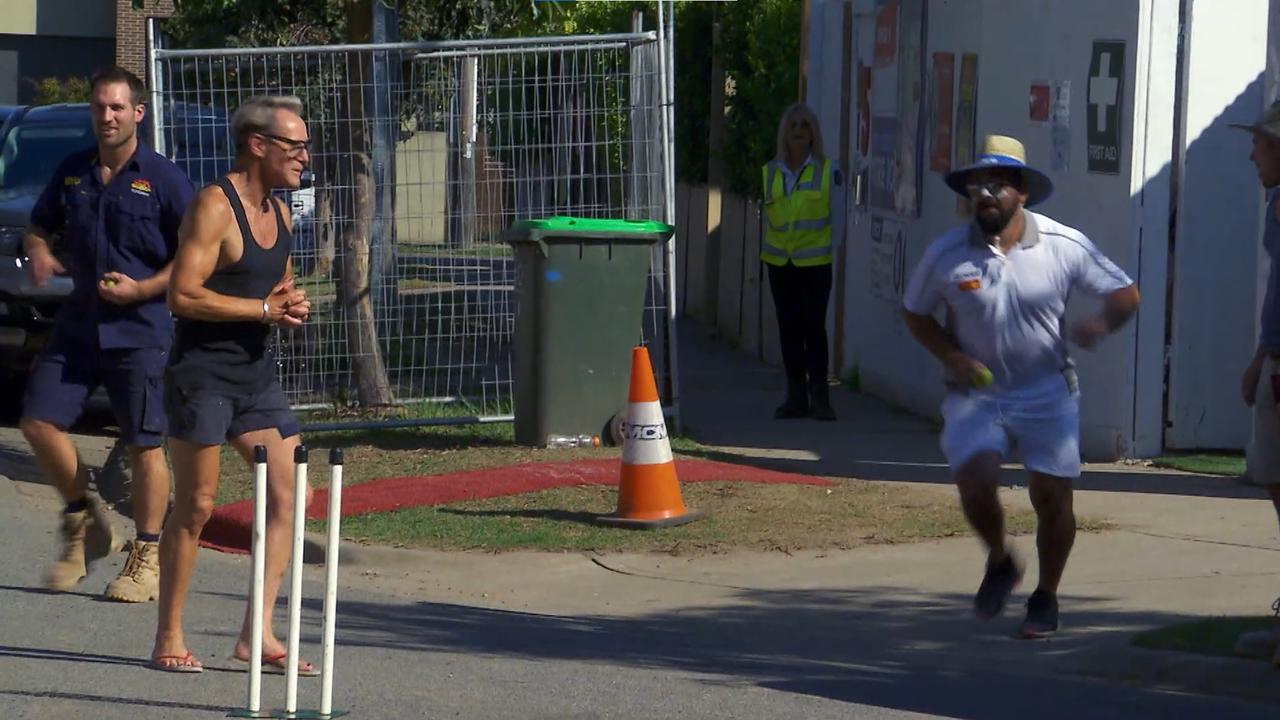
(211, 417)
(1264, 451)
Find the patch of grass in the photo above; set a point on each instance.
(1211, 636)
(738, 516)
(1204, 463)
(381, 453)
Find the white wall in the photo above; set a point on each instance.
(1218, 227)
(1130, 225)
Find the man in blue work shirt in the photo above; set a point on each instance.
(114, 210)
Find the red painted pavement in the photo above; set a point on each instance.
(230, 527)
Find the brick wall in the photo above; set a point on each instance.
(131, 33)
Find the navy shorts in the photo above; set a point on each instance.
(208, 416)
(65, 376)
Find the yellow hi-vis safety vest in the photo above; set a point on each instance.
(797, 225)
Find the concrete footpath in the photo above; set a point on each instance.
(876, 632)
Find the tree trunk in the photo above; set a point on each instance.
(356, 183)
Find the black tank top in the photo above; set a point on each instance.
(232, 356)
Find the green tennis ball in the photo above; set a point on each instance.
(983, 377)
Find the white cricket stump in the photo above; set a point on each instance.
(253, 705)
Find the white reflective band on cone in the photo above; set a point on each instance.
(644, 435)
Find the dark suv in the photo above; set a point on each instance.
(32, 143)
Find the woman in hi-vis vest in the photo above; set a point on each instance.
(797, 249)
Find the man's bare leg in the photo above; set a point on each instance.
(1055, 527)
(977, 481)
(56, 455)
(86, 533)
(150, 491)
(139, 579)
(279, 534)
(195, 472)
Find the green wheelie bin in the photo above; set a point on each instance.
(579, 293)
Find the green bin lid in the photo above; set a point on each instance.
(563, 223)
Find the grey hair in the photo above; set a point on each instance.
(258, 115)
(799, 111)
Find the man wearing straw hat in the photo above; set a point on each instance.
(1004, 279)
(1261, 379)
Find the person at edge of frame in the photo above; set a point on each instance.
(232, 283)
(1260, 383)
(116, 209)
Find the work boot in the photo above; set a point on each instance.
(139, 579)
(796, 404)
(820, 401)
(86, 536)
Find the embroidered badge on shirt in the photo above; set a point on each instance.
(141, 187)
(69, 181)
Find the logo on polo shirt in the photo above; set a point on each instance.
(70, 180)
(967, 278)
(142, 187)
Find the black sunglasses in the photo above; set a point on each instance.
(291, 145)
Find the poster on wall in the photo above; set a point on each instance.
(966, 109)
(1038, 102)
(888, 260)
(883, 170)
(944, 76)
(886, 48)
(911, 107)
(966, 119)
(1105, 91)
(1060, 131)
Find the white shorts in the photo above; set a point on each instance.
(1264, 450)
(1044, 433)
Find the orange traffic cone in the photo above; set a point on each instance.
(648, 491)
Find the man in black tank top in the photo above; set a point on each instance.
(232, 282)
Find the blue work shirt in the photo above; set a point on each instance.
(128, 226)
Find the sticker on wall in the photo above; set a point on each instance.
(1060, 131)
(1105, 92)
(888, 261)
(886, 47)
(944, 77)
(882, 175)
(966, 114)
(1038, 103)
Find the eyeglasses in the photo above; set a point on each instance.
(291, 146)
(992, 189)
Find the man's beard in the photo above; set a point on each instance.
(992, 223)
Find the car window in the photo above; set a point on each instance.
(31, 153)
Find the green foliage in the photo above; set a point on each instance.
(52, 90)
(761, 41)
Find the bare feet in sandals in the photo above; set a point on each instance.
(274, 659)
(170, 654)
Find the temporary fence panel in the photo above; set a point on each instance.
(420, 155)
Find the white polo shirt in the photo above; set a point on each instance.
(1006, 311)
